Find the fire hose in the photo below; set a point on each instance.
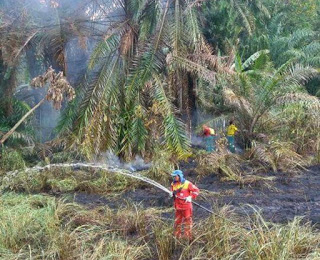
(197, 204)
(107, 168)
(208, 210)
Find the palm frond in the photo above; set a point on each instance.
(192, 29)
(263, 8)
(299, 36)
(248, 62)
(193, 67)
(18, 53)
(148, 60)
(310, 102)
(245, 18)
(300, 74)
(174, 129)
(259, 153)
(176, 36)
(313, 61)
(236, 101)
(311, 49)
(23, 135)
(102, 89)
(148, 17)
(293, 54)
(106, 47)
(139, 133)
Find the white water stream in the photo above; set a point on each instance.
(103, 167)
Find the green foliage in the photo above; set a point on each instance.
(11, 160)
(156, 55)
(229, 23)
(26, 220)
(259, 92)
(162, 165)
(25, 132)
(64, 180)
(113, 105)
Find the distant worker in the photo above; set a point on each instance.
(183, 192)
(209, 136)
(231, 130)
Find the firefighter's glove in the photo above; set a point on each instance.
(189, 199)
(170, 194)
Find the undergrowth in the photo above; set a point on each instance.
(66, 180)
(42, 227)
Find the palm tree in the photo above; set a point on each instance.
(230, 24)
(259, 91)
(144, 74)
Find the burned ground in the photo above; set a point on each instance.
(279, 200)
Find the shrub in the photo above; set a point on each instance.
(11, 160)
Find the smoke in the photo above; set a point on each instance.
(110, 159)
(197, 141)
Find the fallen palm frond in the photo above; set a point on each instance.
(260, 154)
(277, 156)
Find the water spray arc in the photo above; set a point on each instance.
(104, 167)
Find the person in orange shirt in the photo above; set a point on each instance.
(183, 192)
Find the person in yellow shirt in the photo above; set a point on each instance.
(231, 130)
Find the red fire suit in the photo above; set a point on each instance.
(183, 214)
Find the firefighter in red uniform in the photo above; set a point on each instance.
(183, 192)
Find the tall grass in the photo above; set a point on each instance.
(26, 224)
(66, 180)
(271, 241)
(41, 227)
(223, 236)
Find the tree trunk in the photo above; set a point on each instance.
(7, 83)
(5, 137)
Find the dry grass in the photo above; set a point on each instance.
(276, 156)
(40, 227)
(248, 168)
(227, 165)
(66, 180)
